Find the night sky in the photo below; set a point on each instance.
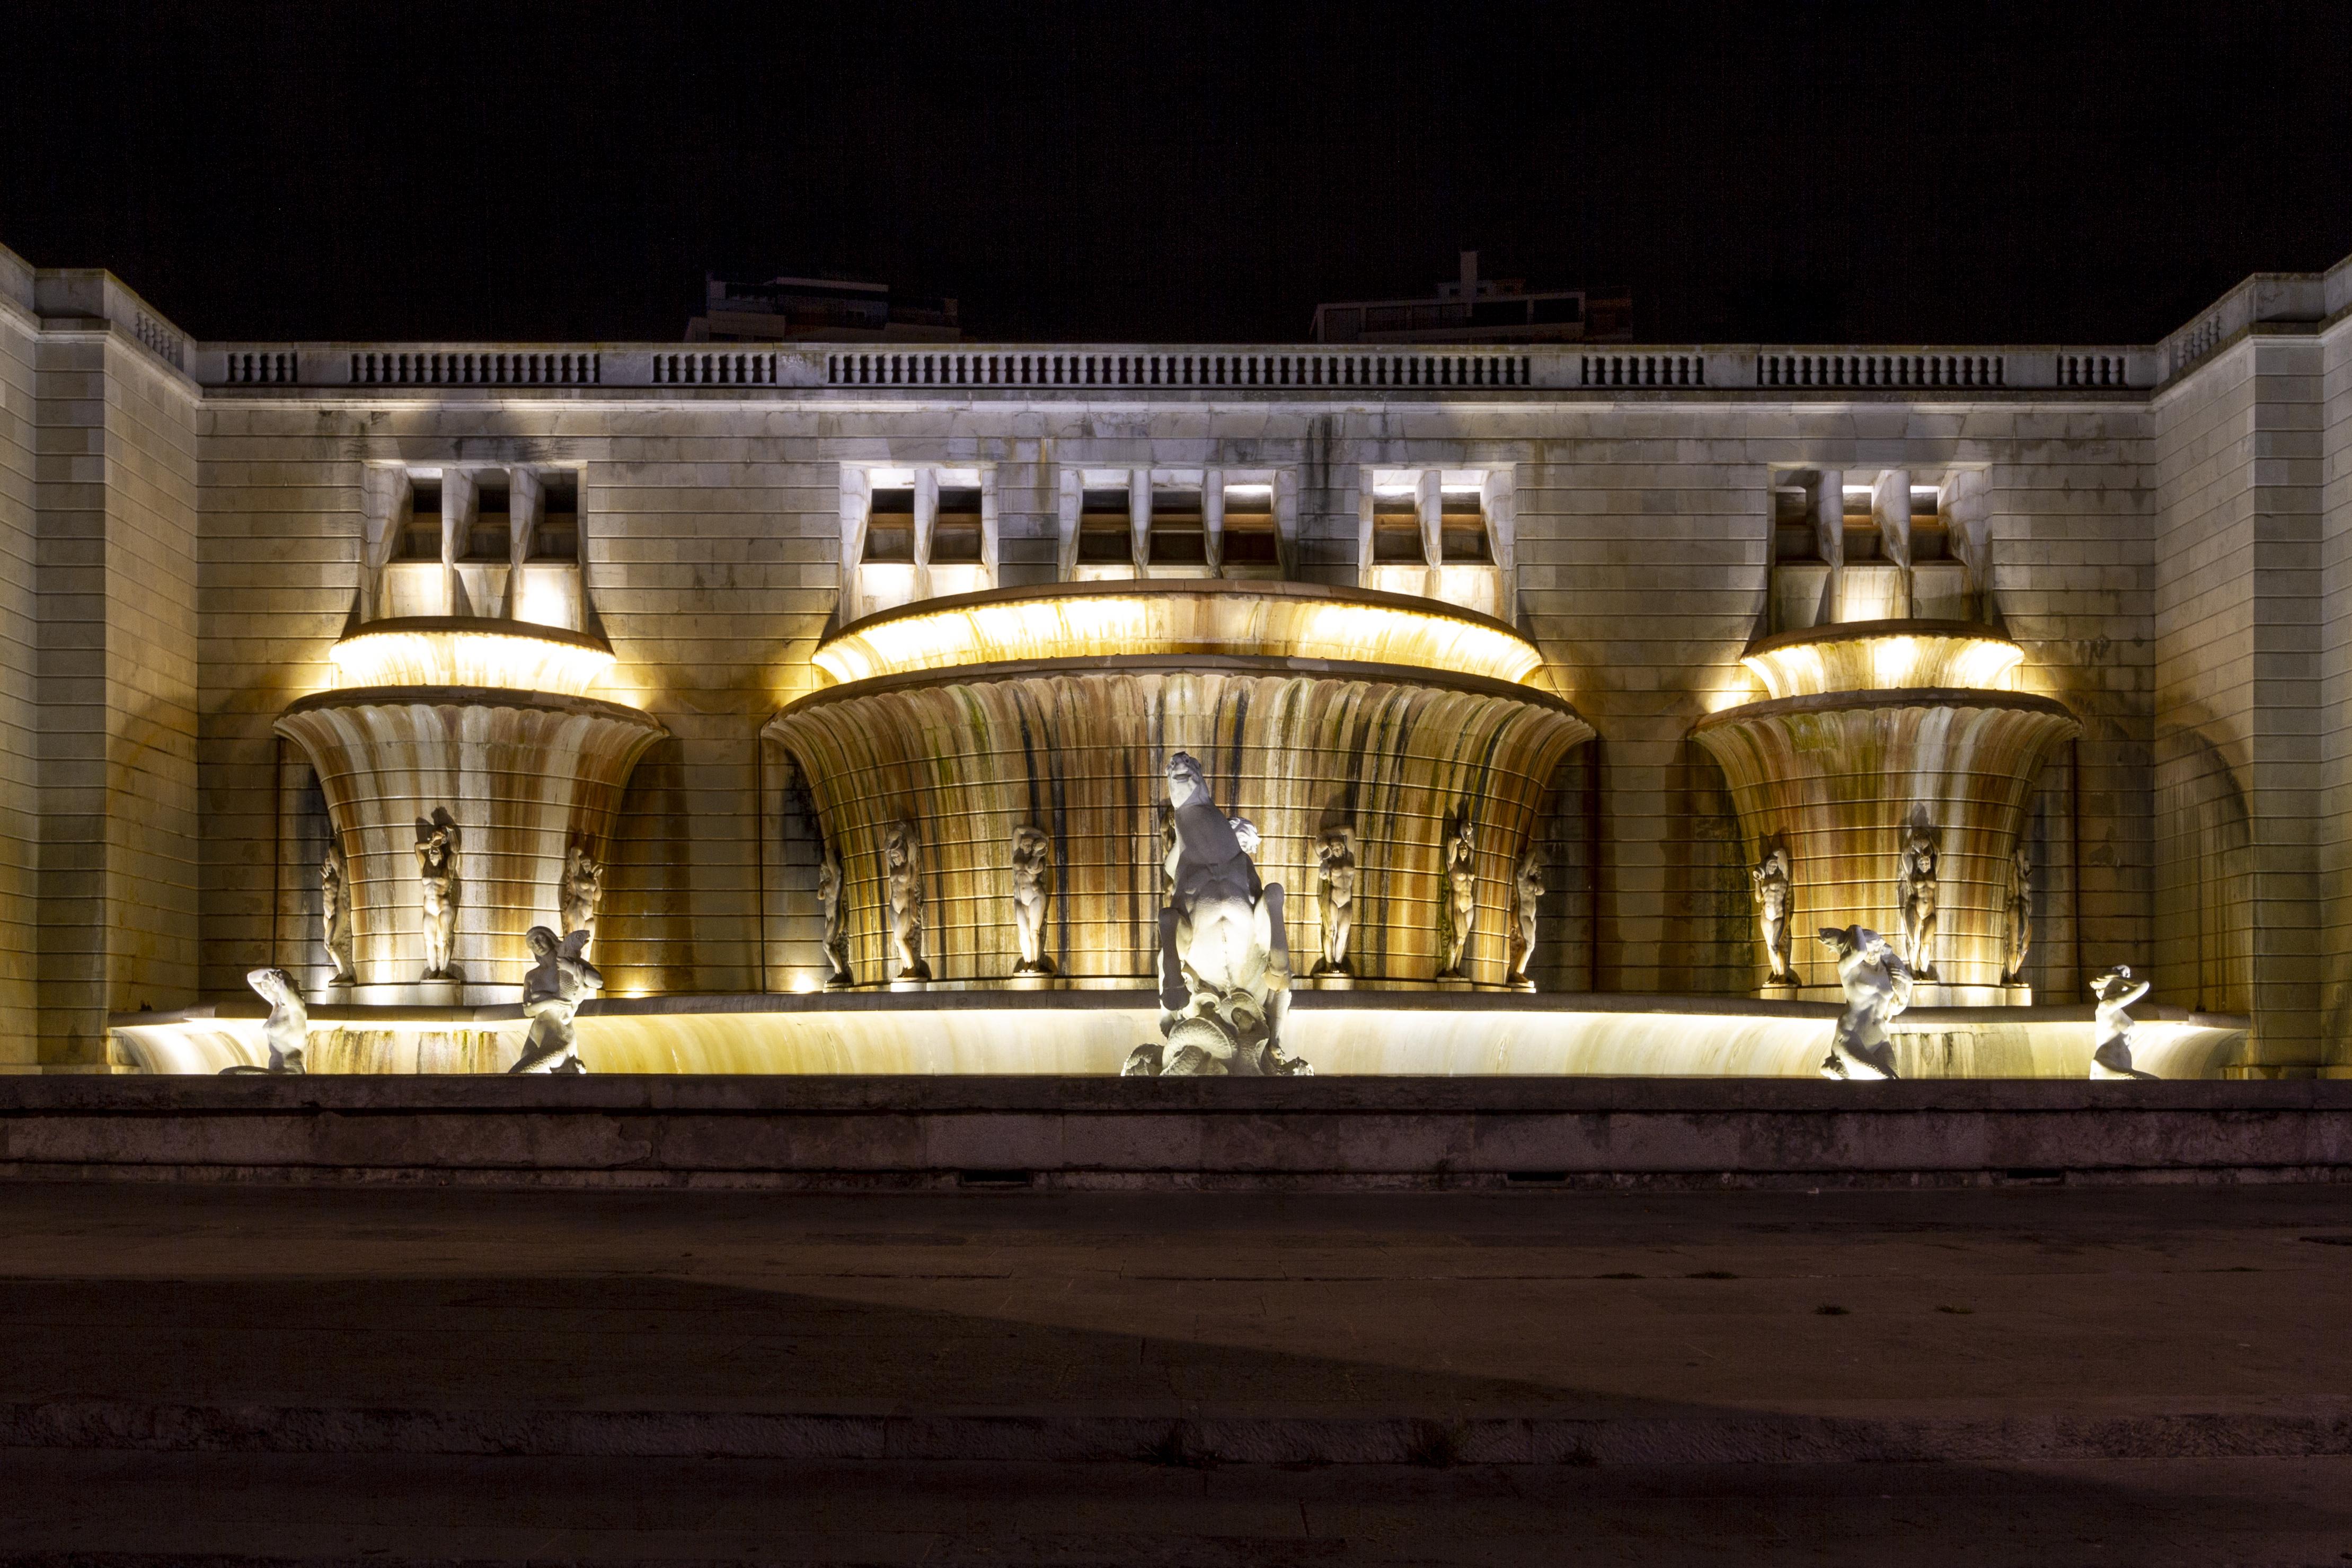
(1790, 172)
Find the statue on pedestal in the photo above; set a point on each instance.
(1224, 955)
(1877, 987)
(285, 1032)
(1032, 864)
(584, 893)
(2111, 1056)
(1771, 880)
(1916, 890)
(1461, 911)
(335, 916)
(828, 904)
(1335, 896)
(1527, 896)
(436, 875)
(902, 858)
(2017, 914)
(551, 993)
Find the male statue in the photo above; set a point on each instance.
(1335, 895)
(1916, 888)
(1461, 911)
(551, 993)
(1032, 864)
(1770, 881)
(1526, 899)
(1224, 957)
(902, 859)
(2111, 1055)
(283, 1033)
(584, 893)
(1877, 987)
(436, 875)
(335, 916)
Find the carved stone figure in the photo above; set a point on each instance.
(335, 916)
(286, 1031)
(2017, 912)
(436, 875)
(584, 893)
(1460, 901)
(1526, 897)
(828, 903)
(1335, 896)
(1916, 888)
(551, 993)
(1033, 866)
(1775, 891)
(1167, 816)
(902, 856)
(1877, 987)
(2111, 1026)
(1224, 955)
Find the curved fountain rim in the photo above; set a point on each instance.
(1173, 588)
(467, 696)
(1890, 697)
(480, 626)
(1146, 664)
(1862, 631)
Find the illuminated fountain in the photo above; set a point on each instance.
(958, 723)
(1890, 757)
(489, 726)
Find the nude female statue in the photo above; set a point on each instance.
(828, 903)
(551, 993)
(584, 893)
(1033, 862)
(2111, 1055)
(1460, 901)
(286, 1031)
(335, 916)
(1527, 896)
(1877, 987)
(902, 858)
(1770, 880)
(436, 875)
(1335, 861)
(1916, 887)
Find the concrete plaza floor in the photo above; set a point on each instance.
(2032, 1375)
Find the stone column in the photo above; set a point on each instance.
(456, 519)
(856, 499)
(1429, 502)
(927, 518)
(1890, 508)
(1212, 519)
(526, 499)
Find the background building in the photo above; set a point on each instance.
(1474, 309)
(817, 309)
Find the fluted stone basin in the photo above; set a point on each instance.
(1870, 733)
(524, 773)
(1308, 708)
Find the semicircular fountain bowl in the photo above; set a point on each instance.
(1308, 708)
(1869, 730)
(491, 722)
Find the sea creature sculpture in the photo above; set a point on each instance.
(2111, 1055)
(1877, 987)
(1224, 957)
(283, 1033)
(552, 994)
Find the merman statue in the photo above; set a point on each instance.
(1224, 958)
(286, 1029)
(1877, 987)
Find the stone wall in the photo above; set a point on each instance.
(20, 714)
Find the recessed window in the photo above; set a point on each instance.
(556, 535)
(1178, 536)
(420, 537)
(890, 526)
(1105, 529)
(1462, 526)
(1396, 528)
(490, 536)
(1250, 535)
(956, 534)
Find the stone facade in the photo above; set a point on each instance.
(184, 527)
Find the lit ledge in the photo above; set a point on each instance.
(506, 655)
(1885, 655)
(1259, 619)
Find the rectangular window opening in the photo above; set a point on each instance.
(420, 538)
(956, 537)
(890, 526)
(1461, 527)
(556, 535)
(1251, 538)
(1178, 536)
(1106, 533)
(490, 536)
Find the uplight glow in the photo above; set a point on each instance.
(1222, 618)
(1908, 661)
(450, 656)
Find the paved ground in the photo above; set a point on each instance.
(2148, 1376)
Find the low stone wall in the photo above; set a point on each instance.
(858, 1132)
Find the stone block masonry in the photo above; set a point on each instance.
(184, 531)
